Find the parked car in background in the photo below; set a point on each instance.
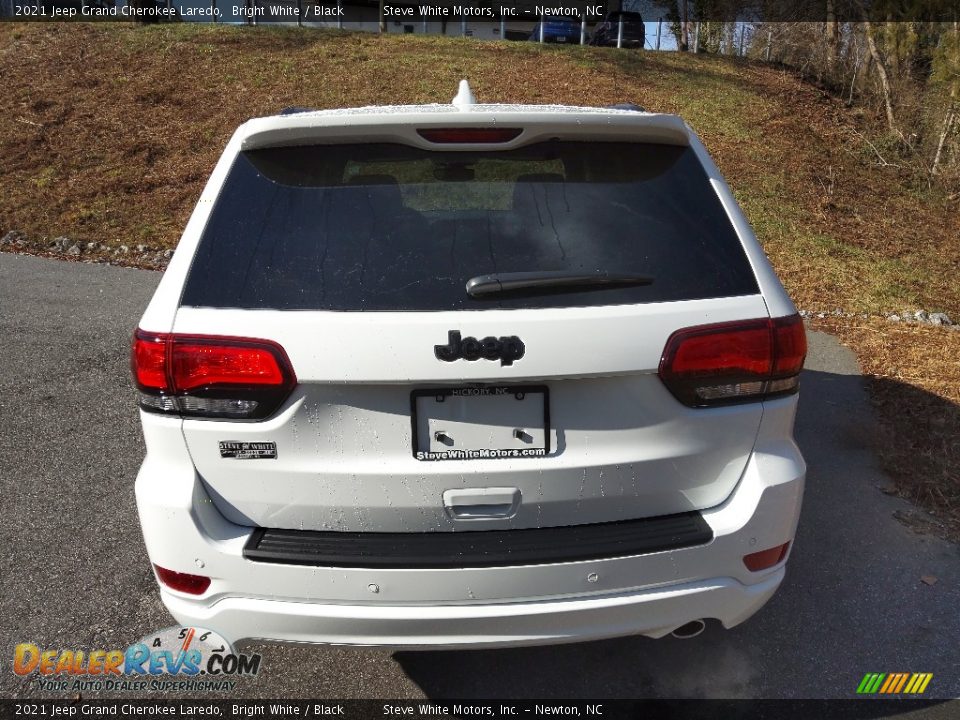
(558, 30)
(633, 30)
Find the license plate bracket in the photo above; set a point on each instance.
(480, 422)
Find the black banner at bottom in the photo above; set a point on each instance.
(857, 709)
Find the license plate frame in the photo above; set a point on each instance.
(467, 391)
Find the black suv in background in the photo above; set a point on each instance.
(633, 30)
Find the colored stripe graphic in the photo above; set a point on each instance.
(870, 683)
(918, 685)
(894, 683)
(903, 681)
(910, 685)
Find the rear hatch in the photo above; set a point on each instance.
(419, 407)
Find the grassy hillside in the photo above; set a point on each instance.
(110, 130)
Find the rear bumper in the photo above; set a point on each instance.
(649, 594)
(653, 613)
(558, 37)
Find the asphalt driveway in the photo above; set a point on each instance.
(75, 574)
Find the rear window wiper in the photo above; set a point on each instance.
(483, 286)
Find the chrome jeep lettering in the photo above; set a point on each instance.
(506, 348)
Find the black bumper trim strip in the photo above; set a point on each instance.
(481, 548)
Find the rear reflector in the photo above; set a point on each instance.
(734, 362)
(184, 582)
(210, 376)
(766, 558)
(468, 136)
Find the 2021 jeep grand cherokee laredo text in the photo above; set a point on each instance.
(467, 375)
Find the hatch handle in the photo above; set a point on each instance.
(482, 503)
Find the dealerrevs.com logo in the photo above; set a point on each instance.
(186, 659)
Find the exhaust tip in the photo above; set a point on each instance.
(689, 630)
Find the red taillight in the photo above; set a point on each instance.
(184, 582)
(210, 376)
(149, 361)
(766, 558)
(742, 348)
(205, 363)
(790, 345)
(736, 361)
(467, 136)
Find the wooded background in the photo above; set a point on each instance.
(898, 61)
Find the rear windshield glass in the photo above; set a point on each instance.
(390, 227)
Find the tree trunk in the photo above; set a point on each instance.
(833, 38)
(947, 124)
(882, 74)
(684, 27)
(892, 45)
(853, 77)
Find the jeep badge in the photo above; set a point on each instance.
(507, 348)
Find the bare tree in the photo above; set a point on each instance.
(883, 77)
(947, 125)
(906, 72)
(833, 36)
(947, 70)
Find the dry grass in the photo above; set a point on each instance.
(110, 131)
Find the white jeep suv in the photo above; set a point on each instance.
(467, 375)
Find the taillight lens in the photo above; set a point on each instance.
(149, 361)
(210, 376)
(206, 363)
(736, 361)
(469, 136)
(184, 582)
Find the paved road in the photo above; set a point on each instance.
(75, 574)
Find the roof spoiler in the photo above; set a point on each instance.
(633, 107)
(464, 97)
